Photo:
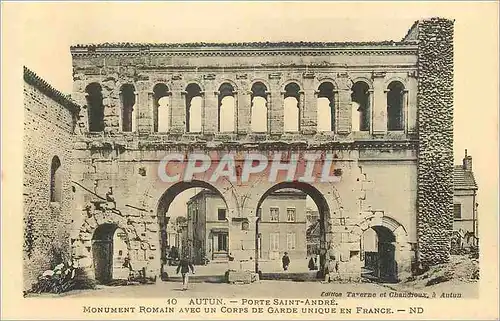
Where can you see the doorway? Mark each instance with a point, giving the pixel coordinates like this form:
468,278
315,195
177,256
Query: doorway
102,252
379,254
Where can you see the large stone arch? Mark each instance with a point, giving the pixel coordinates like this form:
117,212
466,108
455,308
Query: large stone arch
222,187
325,195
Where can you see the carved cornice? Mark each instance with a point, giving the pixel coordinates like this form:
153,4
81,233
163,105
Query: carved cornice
177,142
246,49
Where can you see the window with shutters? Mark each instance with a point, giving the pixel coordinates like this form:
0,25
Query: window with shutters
290,214
274,214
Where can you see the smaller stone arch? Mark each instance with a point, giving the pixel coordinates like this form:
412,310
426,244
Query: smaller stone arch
377,218
320,80
98,225
366,80
156,82
94,96
396,105
389,80
227,81
259,110
194,116
186,83
289,81
257,80
361,105
161,107
394,250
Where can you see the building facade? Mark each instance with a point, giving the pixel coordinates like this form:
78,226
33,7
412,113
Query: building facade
465,203
281,227
375,107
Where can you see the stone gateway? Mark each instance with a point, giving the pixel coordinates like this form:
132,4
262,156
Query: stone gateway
382,110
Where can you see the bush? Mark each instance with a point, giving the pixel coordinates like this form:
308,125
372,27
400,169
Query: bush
64,277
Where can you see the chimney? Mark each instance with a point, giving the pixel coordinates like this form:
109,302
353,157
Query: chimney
467,162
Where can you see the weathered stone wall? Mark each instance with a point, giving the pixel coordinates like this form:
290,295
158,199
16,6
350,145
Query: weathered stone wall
48,132
132,172
128,162
435,132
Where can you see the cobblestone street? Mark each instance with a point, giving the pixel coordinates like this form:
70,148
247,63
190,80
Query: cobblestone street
270,289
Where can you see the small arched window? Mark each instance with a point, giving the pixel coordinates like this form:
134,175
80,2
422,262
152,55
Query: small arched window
226,108
325,108
161,108
55,180
193,108
95,107
291,110
127,95
361,107
259,108
395,106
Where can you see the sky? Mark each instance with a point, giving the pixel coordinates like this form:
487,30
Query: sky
44,33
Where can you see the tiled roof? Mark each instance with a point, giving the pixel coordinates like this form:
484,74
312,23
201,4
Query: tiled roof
463,179
266,44
33,79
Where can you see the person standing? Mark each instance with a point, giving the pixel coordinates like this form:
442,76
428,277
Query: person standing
286,261
184,266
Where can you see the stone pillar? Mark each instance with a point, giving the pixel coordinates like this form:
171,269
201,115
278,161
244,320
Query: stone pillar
211,120
112,109
235,110
82,123
411,106
379,105
276,112
243,111
435,156
268,108
242,251
144,108
308,122
343,105
178,111
135,113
